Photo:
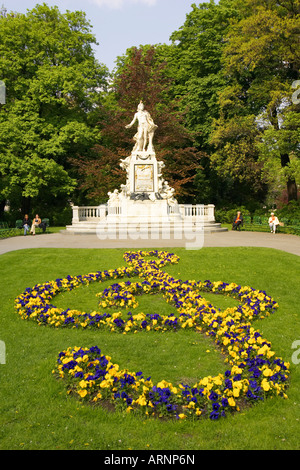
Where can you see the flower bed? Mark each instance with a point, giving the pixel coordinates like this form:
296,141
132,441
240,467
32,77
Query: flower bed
253,374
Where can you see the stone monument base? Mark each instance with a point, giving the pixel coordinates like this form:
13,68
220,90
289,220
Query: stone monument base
144,218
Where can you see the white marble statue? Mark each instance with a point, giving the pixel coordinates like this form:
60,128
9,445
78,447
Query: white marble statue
125,163
145,132
168,193
113,197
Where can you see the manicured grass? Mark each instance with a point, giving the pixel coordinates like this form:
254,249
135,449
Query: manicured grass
36,412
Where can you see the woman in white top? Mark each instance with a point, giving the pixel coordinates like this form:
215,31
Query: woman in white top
273,222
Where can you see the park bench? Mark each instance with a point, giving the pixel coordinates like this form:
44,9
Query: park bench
19,225
261,224
258,223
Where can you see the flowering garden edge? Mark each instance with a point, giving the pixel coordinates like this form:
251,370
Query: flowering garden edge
254,372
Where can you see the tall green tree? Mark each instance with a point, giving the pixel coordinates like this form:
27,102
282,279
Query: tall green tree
196,64
195,61
261,60
52,91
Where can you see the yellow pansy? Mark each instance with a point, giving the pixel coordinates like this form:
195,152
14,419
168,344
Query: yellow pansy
265,385
231,401
267,372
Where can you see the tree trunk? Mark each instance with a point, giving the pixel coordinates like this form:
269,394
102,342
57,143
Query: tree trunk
2,205
292,190
291,182
26,205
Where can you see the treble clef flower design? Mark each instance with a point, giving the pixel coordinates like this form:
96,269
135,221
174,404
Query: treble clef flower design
254,373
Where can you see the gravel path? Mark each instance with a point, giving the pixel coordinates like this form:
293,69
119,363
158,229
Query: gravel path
288,243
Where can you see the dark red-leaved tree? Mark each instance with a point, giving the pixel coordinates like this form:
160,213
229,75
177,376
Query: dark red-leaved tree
140,77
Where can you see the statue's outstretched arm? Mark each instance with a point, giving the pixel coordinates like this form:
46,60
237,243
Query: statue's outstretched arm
132,122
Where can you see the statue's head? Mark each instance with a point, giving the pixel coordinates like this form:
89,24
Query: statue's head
140,106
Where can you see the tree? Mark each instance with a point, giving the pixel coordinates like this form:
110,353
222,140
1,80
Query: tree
140,75
196,65
235,155
52,82
195,60
261,61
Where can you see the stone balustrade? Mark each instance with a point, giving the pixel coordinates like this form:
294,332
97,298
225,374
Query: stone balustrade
198,211
88,213
187,211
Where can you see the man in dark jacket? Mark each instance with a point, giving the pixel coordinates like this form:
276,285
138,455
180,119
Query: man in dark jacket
237,221
26,224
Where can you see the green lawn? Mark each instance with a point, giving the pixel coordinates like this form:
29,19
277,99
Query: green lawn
37,413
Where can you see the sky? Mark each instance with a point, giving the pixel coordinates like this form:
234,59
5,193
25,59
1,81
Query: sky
120,24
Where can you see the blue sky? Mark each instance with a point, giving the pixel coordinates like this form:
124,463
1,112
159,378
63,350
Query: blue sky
119,24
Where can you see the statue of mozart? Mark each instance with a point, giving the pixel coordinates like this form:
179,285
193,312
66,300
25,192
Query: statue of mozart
145,132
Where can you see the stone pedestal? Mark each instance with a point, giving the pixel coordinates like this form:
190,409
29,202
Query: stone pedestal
146,194
144,179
